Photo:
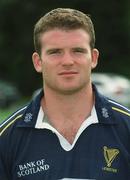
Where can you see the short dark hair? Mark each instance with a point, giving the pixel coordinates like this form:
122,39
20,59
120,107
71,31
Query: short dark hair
66,19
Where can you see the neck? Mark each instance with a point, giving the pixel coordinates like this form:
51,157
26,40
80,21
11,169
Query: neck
61,106
66,113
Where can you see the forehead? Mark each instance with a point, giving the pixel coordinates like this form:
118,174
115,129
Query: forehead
58,37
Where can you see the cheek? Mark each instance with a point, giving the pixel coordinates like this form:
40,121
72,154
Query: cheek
47,70
87,66
87,63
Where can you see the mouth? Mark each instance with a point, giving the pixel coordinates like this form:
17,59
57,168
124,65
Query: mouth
68,73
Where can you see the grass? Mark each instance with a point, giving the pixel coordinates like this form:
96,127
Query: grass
4,113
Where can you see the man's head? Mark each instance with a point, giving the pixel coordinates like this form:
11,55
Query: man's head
66,19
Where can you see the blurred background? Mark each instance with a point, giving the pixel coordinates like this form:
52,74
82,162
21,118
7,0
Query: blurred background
18,79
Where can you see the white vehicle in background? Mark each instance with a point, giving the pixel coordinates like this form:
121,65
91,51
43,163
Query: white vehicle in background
9,94
116,87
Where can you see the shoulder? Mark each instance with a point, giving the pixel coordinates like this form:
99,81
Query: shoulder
110,109
119,110
12,120
120,115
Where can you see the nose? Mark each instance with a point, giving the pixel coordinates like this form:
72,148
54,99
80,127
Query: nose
67,59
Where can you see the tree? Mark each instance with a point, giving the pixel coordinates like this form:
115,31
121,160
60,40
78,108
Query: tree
16,32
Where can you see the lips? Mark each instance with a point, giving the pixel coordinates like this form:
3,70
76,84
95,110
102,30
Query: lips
68,73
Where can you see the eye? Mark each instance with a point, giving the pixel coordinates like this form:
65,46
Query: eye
53,51
79,50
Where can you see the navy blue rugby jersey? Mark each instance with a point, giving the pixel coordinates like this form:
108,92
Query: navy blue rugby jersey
102,152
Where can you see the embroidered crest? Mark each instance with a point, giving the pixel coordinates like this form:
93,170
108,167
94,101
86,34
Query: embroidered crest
28,117
110,155
105,112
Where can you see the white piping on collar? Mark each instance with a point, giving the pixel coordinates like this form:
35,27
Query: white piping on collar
92,119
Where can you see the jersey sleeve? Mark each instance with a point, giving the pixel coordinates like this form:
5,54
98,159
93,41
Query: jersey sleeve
4,170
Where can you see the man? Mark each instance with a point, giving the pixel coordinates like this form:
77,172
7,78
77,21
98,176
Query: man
69,131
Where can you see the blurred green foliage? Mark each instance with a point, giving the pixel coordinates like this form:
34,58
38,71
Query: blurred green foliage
17,19
6,112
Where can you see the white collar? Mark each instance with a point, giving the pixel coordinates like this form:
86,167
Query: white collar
40,124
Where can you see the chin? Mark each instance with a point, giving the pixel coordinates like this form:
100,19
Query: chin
70,91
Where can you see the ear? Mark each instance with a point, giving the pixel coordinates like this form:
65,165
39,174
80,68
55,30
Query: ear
37,62
95,55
